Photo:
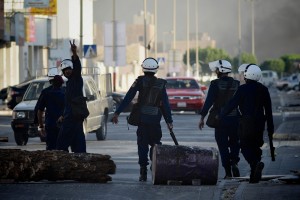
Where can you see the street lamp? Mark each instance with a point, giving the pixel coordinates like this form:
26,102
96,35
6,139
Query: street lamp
145,27
187,38
164,41
81,30
155,29
252,27
239,32
197,48
174,25
114,47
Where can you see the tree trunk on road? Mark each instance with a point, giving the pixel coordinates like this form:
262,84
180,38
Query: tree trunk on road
19,165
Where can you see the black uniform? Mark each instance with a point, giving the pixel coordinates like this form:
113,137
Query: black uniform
71,132
219,93
254,102
53,100
153,99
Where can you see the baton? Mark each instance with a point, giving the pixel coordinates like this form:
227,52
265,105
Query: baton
172,135
272,148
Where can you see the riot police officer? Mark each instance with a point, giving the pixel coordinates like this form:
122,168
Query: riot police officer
254,102
51,98
219,93
71,132
51,73
154,103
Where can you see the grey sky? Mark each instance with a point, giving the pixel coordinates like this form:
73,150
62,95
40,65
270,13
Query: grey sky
277,22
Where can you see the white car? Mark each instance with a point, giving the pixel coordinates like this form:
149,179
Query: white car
99,102
268,77
288,83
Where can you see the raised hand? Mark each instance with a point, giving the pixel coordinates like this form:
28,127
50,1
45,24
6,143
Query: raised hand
73,47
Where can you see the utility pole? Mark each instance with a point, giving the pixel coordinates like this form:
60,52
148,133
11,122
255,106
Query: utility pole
173,52
188,38
155,29
145,27
197,45
239,32
81,28
174,26
114,47
252,27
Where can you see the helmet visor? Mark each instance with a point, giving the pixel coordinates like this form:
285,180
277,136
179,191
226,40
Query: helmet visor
213,66
242,68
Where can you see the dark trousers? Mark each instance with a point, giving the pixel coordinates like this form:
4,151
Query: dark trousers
71,134
226,136
251,150
51,137
252,154
147,134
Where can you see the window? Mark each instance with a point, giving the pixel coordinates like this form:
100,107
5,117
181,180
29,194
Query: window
182,84
35,89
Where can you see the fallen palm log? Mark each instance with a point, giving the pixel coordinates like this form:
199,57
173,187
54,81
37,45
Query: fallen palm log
20,165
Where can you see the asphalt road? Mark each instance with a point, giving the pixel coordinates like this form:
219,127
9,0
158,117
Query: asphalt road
121,146
185,127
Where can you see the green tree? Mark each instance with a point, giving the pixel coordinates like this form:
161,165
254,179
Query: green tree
205,56
245,58
273,64
291,62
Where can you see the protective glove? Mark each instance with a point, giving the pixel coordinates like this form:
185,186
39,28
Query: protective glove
201,124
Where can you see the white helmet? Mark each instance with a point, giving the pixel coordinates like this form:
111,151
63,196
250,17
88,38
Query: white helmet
150,65
251,71
222,65
66,63
52,72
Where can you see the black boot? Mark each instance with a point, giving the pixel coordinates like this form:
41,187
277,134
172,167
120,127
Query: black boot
235,170
143,173
227,172
256,171
252,166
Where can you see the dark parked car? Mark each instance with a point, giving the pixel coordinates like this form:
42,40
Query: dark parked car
3,94
118,98
15,94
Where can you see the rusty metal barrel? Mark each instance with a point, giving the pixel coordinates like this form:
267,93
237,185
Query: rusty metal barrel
186,165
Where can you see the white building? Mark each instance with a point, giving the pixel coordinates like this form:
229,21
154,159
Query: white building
20,59
66,27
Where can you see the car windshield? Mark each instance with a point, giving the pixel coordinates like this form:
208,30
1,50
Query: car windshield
265,75
182,84
34,90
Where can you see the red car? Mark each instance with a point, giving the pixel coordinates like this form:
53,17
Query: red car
185,94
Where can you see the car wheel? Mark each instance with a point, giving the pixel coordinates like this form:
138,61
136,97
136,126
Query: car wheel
285,87
102,131
296,88
21,138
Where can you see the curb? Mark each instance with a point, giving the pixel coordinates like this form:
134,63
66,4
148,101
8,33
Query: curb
5,112
288,130
286,136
